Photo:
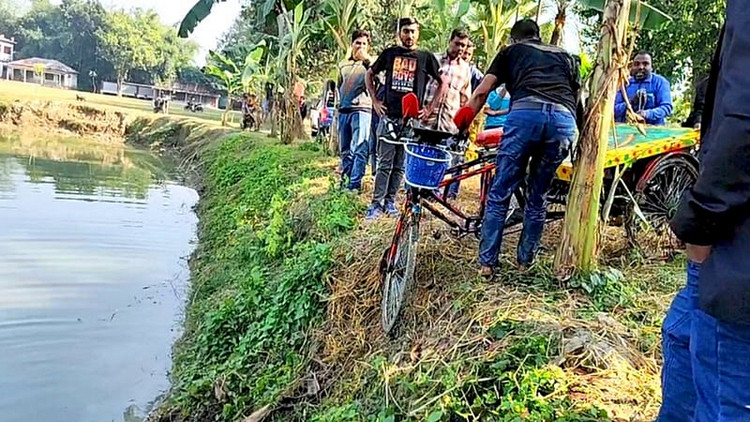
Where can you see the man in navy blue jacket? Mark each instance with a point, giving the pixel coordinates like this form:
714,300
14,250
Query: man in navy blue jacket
648,93
706,344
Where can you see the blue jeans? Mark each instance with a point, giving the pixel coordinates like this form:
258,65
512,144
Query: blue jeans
539,139
354,133
706,371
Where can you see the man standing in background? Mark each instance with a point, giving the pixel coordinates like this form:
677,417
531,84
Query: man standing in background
406,71
456,73
648,93
355,111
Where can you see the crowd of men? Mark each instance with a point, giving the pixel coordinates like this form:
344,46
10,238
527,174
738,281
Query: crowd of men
706,333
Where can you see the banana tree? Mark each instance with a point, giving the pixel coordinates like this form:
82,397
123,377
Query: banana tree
341,18
228,76
195,15
494,18
578,244
446,16
293,35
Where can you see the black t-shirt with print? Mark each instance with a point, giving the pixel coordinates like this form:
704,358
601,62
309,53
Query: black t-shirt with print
405,71
535,69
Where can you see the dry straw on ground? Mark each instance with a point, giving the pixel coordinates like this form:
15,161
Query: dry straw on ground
451,311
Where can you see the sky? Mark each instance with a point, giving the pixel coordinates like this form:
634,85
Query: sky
171,12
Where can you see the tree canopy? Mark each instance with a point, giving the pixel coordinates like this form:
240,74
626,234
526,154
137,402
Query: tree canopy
84,35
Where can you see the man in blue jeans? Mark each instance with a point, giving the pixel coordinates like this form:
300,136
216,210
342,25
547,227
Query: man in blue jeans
355,111
706,333
543,81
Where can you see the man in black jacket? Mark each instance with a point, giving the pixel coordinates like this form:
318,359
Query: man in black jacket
706,344
696,113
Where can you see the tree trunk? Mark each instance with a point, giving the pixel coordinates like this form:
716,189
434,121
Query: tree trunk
226,111
120,79
578,243
557,33
291,126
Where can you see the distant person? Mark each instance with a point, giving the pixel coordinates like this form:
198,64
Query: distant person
476,74
355,112
456,73
648,93
706,332
497,108
695,118
543,81
406,70
303,107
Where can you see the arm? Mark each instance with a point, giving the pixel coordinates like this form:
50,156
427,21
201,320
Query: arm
377,104
663,106
479,97
466,92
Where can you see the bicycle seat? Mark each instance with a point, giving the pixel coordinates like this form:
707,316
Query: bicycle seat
489,138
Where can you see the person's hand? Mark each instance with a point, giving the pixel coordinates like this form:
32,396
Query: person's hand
379,107
697,254
426,112
641,113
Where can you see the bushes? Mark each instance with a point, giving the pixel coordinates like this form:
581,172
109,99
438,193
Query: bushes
257,285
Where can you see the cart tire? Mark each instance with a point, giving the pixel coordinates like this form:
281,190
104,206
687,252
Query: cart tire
398,267
657,195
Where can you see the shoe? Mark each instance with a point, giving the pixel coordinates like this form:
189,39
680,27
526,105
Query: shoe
355,189
487,273
391,210
373,211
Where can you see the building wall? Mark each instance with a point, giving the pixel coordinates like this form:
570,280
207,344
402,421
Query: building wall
6,51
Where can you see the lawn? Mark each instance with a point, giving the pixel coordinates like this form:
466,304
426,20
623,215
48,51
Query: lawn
13,91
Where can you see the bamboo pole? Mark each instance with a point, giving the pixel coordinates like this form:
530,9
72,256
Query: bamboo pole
578,244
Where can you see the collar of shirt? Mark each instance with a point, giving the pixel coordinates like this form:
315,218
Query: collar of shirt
648,79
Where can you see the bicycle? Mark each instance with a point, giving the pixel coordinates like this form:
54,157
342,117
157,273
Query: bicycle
399,260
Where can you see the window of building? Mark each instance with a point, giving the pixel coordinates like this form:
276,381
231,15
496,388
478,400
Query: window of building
49,77
7,50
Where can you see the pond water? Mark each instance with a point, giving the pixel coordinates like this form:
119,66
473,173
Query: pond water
93,277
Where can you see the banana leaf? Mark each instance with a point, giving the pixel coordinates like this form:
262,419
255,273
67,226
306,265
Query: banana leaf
651,17
197,13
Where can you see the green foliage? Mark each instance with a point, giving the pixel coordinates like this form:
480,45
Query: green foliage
72,32
683,48
608,289
257,275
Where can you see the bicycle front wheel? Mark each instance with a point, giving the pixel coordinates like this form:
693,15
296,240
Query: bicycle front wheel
399,265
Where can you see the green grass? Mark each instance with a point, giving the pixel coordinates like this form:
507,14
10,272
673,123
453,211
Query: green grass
18,91
267,216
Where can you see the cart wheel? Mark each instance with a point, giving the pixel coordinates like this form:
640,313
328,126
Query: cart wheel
657,195
397,269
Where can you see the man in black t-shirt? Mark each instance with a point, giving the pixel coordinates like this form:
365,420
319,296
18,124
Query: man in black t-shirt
406,70
543,81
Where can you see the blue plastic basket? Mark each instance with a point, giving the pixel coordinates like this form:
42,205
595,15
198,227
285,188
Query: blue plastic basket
425,165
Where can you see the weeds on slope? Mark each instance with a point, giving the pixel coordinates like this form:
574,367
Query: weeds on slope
267,216
521,348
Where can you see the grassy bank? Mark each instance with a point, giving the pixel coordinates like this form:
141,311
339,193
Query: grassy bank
11,91
283,316
268,219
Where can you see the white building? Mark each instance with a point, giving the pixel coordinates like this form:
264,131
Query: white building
7,48
44,72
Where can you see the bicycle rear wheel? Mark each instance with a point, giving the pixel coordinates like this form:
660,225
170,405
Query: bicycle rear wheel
400,261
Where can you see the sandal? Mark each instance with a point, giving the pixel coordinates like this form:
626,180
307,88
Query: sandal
487,273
